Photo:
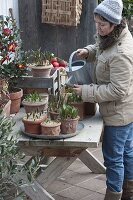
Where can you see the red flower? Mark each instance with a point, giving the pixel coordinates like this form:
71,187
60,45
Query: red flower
6,31
12,60
20,66
12,46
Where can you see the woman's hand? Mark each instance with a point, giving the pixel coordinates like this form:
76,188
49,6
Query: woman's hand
82,53
78,89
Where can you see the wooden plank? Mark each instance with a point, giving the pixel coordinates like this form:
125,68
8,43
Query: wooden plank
66,41
36,192
55,168
35,82
28,16
92,162
62,152
47,33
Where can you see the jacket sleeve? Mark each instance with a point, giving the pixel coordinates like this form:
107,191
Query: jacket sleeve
119,85
92,52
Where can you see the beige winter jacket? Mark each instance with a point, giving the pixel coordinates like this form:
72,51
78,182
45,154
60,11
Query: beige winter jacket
113,90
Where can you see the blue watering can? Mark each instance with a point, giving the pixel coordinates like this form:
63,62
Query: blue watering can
78,72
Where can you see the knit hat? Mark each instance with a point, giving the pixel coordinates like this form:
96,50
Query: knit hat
110,10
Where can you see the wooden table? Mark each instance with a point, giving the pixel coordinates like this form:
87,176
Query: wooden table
65,152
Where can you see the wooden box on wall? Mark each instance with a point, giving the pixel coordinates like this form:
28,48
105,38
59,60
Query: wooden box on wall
58,12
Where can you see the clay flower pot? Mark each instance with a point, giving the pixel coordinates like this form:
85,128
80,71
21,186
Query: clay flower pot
69,125
15,97
50,127
33,125
54,115
33,106
35,102
41,71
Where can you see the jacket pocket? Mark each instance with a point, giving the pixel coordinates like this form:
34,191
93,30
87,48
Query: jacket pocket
102,70
107,108
102,63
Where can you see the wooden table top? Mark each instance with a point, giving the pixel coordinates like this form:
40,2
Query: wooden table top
89,136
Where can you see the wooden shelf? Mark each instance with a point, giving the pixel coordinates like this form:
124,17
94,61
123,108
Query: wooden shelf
53,82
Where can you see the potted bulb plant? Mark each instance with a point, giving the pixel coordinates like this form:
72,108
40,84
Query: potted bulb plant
32,122
55,102
50,127
69,119
34,101
39,62
76,101
12,63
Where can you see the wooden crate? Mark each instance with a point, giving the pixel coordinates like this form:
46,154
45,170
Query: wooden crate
61,12
51,84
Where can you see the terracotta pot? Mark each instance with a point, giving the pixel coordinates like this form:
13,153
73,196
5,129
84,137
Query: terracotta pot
33,126
35,106
41,71
52,128
15,98
69,125
54,115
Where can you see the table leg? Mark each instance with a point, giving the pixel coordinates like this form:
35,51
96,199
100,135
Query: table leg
36,192
54,169
91,162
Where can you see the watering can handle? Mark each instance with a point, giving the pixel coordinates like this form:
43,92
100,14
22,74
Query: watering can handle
70,61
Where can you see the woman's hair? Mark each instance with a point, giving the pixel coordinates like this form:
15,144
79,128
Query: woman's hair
102,18
109,40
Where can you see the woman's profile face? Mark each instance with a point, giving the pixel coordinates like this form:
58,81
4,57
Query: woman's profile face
103,27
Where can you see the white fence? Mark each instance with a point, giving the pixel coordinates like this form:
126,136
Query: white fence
6,4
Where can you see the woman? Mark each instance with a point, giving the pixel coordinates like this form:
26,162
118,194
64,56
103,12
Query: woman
113,91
